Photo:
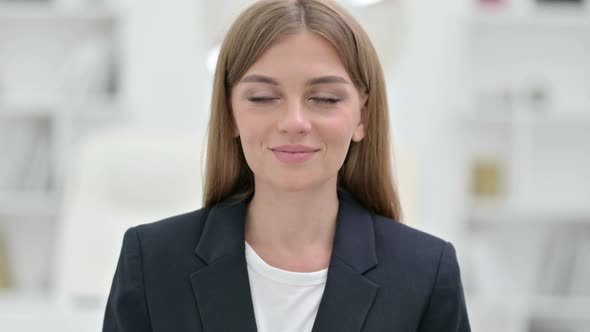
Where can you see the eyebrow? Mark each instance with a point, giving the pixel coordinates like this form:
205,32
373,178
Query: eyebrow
313,81
259,79
327,79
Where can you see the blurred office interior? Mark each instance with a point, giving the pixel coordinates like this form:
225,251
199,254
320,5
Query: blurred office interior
104,106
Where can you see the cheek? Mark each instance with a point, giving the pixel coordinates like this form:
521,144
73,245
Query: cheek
250,145
338,130
251,130
246,122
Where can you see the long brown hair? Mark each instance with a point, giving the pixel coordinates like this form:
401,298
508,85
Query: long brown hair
366,172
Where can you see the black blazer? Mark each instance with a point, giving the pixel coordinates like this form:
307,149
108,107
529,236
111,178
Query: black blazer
189,273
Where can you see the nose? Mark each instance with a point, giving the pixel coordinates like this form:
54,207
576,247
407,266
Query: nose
294,120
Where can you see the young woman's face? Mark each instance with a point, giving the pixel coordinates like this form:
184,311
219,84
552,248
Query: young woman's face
296,111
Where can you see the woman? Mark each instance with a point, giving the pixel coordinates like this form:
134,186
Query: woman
300,229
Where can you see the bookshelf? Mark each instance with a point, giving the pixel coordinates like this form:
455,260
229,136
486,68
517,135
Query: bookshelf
524,70
59,81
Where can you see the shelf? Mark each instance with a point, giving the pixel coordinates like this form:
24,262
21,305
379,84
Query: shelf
35,113
18,299
506,215
29,109
38,311
541,18
29,204
537,306
561,307
93,109
19,13
577,118
101,108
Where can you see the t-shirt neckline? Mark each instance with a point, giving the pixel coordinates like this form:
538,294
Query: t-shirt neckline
268,271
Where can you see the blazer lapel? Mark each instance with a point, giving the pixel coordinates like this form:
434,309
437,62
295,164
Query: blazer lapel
348,295
222,288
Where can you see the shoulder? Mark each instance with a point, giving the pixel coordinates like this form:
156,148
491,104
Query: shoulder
424,270
406,239
417,253
181,231
187,221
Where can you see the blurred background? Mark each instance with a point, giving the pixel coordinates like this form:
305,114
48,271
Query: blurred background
104,106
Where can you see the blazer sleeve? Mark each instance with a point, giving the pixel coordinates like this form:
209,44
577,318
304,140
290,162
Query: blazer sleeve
446,310
126,309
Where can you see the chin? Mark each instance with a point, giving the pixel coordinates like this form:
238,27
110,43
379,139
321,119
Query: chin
293,180
293,186
293,183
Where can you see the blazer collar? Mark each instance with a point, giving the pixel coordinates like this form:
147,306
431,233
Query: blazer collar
223,234
222,289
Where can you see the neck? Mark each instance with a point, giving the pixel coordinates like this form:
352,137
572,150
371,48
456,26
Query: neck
293,222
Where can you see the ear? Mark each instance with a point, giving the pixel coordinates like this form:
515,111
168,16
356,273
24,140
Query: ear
360,129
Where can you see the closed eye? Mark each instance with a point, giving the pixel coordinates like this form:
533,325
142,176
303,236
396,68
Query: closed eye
261,99
325,100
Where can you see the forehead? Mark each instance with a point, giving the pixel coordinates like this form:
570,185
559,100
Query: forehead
301,54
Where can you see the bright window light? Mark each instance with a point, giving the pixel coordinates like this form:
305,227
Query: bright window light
212,58
362,3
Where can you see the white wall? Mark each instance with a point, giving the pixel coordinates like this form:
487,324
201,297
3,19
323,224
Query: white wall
421,90
165,77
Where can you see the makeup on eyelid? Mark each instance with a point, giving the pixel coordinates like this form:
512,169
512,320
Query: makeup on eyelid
327,101
319,97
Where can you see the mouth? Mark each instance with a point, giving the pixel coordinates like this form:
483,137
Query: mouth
294,149
294,154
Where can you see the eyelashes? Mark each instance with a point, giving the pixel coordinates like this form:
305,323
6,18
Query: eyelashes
319,100
326,100
262,100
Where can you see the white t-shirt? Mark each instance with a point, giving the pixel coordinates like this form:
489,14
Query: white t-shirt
283,301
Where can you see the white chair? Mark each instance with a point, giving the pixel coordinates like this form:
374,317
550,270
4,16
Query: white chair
123,177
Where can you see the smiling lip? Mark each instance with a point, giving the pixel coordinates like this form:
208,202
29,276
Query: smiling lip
292,154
